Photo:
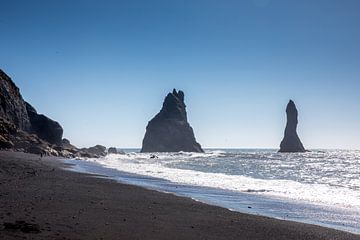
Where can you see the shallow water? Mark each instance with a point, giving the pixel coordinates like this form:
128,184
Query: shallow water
320,187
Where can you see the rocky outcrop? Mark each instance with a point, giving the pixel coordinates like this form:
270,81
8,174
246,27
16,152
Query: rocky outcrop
169,130
291,141
66,149
12,105
45,128
5,143
96,151
21,128
114,150
11,137
65,141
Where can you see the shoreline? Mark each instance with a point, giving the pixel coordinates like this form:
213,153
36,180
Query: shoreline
70,205
241,202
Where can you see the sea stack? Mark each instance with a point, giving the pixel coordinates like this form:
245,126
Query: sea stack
291,141
169,130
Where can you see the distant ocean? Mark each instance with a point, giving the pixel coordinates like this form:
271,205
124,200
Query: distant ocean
320,187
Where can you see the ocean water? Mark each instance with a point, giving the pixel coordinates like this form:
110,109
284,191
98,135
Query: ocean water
319,187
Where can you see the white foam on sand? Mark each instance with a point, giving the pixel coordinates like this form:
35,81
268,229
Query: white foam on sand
315,193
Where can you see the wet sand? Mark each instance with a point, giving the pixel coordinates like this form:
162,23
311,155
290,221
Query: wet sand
51,203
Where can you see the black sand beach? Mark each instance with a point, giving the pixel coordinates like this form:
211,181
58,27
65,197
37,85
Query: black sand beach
52,203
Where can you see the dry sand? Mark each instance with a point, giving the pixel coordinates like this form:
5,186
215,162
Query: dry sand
67,205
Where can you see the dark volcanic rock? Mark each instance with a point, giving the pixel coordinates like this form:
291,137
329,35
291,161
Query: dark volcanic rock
47,129
5,143
12,105
169,130
21,128
291,141
65,141
114,150
14,138
66,145
95,151
66,149
36,149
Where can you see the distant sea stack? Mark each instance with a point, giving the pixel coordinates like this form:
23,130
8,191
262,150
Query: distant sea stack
169,130
291,141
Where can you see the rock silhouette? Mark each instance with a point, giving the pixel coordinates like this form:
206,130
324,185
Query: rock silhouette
169,130
97,150
12,105
15,125
14,110
23,129
114,150
291,141
46,129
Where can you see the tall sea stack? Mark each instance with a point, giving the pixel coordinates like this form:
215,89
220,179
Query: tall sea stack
169,130
291,141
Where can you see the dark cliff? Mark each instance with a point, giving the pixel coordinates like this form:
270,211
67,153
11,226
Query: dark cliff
169,130
45,128
291,141
21,128
12,105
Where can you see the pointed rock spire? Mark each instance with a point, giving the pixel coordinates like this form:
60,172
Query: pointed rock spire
169,130
291,141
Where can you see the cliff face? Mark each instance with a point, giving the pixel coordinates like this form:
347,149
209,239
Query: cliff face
169,130
15,110
291,141
45,128
21,128
12,105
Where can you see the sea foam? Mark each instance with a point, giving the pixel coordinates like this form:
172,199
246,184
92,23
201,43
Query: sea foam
327,178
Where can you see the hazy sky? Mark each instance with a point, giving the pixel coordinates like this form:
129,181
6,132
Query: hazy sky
103,68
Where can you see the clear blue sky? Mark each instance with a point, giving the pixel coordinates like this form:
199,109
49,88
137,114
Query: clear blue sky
102,68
